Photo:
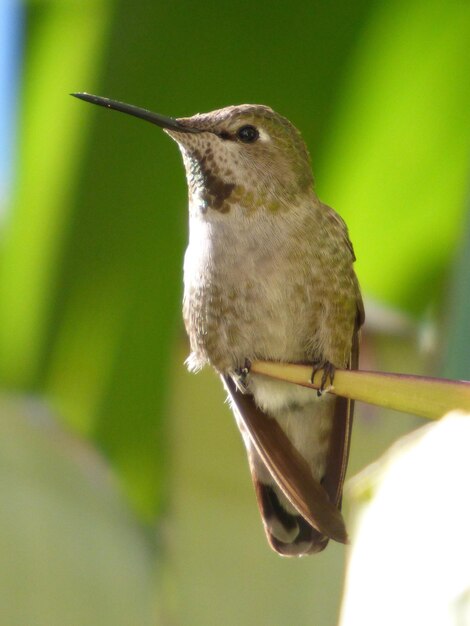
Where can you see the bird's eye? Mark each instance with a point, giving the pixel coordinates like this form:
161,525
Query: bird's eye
247,134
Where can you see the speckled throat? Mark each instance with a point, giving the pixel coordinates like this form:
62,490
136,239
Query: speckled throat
264,175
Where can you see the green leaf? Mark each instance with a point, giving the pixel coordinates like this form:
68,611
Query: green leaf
64,41
397,163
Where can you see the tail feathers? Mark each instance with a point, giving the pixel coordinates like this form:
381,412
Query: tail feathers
287,533
299,513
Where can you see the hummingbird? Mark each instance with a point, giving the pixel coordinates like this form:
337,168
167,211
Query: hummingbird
268,275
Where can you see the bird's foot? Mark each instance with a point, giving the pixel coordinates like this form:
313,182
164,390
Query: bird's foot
240,377
328,373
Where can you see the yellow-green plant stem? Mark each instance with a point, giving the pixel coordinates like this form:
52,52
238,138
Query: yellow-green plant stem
427,397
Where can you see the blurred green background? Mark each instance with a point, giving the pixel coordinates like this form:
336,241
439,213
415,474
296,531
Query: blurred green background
125,493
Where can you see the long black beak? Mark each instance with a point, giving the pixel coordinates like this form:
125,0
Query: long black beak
155,118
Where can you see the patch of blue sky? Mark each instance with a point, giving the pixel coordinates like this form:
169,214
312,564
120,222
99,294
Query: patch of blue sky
11,28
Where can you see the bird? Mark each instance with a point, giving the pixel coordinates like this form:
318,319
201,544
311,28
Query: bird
269,275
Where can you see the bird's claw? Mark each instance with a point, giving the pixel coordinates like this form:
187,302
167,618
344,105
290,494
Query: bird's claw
241,376
328,373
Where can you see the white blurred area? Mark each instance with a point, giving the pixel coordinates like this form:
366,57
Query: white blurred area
410,557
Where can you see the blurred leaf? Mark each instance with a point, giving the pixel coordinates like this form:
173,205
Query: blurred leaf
118,295
72,553
397,164
63,41
90,278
